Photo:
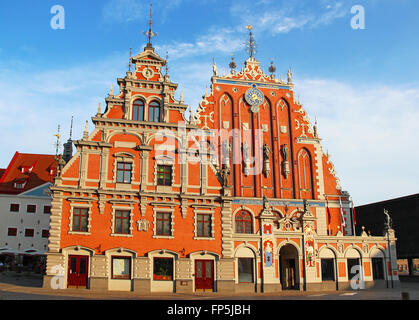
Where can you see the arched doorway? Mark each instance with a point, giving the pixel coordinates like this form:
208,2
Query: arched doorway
288,267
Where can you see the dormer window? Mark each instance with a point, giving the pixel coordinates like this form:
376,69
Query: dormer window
154,111
52,171
20,184
26,169
138,110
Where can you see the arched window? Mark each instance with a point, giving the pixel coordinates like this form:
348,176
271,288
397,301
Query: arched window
138,110
304,174
154,111
244,222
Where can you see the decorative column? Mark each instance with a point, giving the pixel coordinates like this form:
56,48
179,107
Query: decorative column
268,283
309,253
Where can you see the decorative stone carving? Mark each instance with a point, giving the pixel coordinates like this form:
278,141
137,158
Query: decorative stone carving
226,149
266,160
289,76
225,172
143,225
285,162
214,68
246,159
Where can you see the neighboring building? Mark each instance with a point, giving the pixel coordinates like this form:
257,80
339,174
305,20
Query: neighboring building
239,197
404,212
25,207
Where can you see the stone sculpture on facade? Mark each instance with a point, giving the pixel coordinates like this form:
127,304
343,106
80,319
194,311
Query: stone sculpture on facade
266,160
285,163
246,158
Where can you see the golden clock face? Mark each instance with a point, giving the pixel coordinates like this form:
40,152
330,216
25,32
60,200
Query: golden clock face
254,97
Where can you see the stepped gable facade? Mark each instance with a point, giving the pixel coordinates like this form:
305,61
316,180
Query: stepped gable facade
237,197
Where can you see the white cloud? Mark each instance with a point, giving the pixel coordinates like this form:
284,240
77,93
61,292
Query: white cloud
31,113
124,10
215,41
371,133
282,17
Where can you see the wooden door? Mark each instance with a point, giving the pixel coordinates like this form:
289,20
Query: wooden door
77,271
290,274
204,275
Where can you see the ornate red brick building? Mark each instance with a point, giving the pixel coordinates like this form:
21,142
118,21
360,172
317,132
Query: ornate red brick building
237,197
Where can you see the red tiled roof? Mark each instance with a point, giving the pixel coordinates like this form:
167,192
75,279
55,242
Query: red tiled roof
34,169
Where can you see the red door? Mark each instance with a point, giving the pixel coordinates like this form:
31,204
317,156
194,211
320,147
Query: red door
204,275
77,271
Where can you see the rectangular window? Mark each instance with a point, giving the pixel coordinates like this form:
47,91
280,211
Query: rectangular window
29,232
47,209
164,175
203,225
80,219
163,224
245,266
45,233
12,232
121,268
14,207
377,269
31,208
122,222
328,270
163,269
123,172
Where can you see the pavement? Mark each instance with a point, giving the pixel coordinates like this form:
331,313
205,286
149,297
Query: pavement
15,286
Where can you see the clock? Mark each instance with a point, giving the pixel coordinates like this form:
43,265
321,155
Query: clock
254,97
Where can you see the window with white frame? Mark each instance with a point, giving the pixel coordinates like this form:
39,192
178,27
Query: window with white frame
123,172
80,220
163,224
203,225
121,268
122,222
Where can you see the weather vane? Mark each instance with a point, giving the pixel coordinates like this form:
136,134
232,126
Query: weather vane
150,34
251,44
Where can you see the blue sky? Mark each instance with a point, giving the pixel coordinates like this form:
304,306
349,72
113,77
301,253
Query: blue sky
361,85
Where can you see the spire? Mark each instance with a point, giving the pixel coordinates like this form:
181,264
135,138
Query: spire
57,143
71,126
86,131
130,60
150,34
251,44
99,110
68,146
167,63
